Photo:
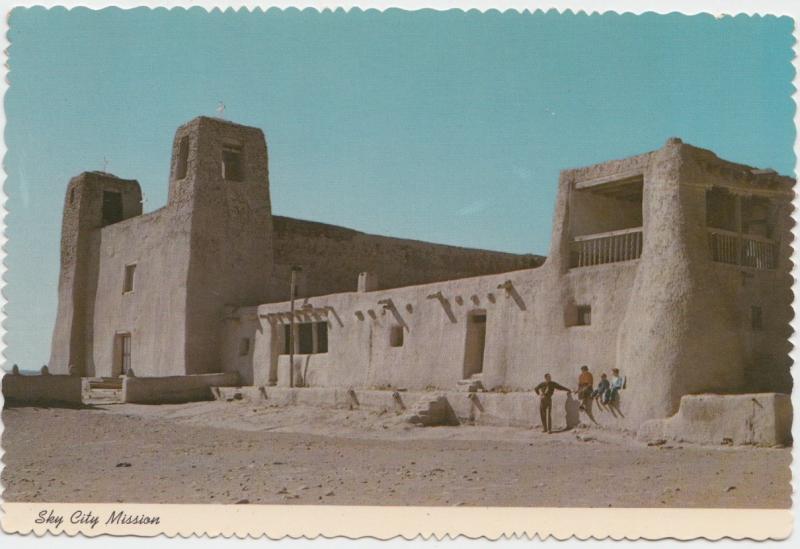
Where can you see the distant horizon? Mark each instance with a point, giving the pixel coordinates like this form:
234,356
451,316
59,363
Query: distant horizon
445,127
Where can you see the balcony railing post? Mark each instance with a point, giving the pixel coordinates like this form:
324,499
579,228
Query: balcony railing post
742,249
609,247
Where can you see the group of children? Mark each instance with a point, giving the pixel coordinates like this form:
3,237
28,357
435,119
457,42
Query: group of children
606,392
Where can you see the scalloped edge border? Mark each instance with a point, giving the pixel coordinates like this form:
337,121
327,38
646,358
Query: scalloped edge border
730,8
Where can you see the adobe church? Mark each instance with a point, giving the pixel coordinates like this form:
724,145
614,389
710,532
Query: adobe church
672,266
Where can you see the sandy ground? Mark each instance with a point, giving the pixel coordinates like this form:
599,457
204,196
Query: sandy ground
216,452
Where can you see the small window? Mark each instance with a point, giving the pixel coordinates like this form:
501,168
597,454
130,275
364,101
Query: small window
183,158
756,319
244,346
584,315
311,338
396,336
71,196
112,208
322,337
232,169
130,274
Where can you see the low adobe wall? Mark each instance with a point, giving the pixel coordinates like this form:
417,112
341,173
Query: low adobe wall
762,419
174,389
41,389
516,409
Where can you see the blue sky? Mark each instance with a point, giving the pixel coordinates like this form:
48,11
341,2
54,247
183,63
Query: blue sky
449,127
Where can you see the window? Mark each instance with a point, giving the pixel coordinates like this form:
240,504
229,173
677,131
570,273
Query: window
130,273
305,338
71,196
112,208
578,315
396,336
183,158
232,163
310,338
756,319
322,337
244,346
584,315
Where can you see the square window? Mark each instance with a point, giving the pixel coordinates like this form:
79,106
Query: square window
130,273
396,336
244,346
584,315
232,168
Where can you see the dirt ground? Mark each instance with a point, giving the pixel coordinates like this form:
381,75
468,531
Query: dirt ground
217,452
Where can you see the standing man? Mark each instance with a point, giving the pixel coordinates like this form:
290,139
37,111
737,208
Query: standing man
545,391
585,386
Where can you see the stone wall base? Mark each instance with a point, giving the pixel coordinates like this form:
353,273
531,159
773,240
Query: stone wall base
514,409
19,390
175,389
761,419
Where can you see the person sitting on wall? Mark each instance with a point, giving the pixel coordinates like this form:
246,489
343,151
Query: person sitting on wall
601,393
545,390
617,384
585,386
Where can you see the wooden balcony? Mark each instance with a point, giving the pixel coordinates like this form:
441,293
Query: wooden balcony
610,247
741,249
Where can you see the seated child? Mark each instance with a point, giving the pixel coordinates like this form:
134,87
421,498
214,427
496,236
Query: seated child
602,390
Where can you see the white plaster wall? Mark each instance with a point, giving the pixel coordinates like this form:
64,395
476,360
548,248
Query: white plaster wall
154,312
673,321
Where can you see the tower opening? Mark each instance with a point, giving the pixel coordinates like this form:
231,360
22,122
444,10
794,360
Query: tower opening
183,158
112,208
232,166
605,221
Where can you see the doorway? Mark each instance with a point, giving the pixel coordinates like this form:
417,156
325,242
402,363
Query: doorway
122,354
475,343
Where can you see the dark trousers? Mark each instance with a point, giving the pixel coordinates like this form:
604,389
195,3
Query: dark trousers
546,413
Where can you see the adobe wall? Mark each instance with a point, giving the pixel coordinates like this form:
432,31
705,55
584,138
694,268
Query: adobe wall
174,389
332,258
526,334
762,419
154,312
686,333
19,390
673,321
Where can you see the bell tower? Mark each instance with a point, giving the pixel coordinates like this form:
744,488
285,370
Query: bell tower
219,180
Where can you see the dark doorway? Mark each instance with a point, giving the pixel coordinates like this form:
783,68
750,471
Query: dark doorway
475,343
112,208
122,360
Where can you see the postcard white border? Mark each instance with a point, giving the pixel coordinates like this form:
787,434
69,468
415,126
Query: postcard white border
406,521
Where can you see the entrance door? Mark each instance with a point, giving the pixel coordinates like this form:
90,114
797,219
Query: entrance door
475,343
123,358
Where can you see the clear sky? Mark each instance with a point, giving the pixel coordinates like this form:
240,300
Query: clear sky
449,127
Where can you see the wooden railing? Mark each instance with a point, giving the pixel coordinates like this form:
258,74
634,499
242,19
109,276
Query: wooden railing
610,247
746,250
